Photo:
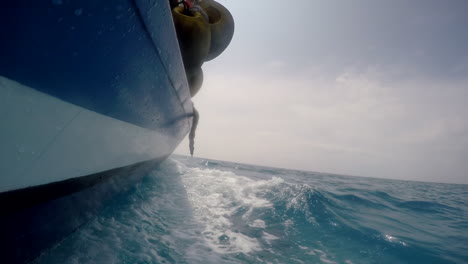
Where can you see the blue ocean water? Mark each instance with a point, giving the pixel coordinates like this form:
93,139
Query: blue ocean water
193,210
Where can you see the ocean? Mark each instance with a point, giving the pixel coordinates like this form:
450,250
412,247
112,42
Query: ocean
193,210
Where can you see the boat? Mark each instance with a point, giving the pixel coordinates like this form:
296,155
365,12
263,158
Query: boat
93,95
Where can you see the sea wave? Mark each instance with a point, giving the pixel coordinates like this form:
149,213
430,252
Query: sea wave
202,211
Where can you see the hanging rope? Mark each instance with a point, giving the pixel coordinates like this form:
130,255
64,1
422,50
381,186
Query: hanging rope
195,119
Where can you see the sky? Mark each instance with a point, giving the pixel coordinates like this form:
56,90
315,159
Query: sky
365,87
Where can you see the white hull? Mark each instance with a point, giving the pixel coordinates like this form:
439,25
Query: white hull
48,140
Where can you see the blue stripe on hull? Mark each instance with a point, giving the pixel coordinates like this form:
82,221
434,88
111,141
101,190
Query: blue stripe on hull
99,55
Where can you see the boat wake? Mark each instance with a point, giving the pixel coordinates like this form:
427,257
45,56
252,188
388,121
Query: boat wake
201,211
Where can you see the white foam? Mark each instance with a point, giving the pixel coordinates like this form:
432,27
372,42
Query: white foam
314,252
323,256
309,251
269,237
288,223
393,239
258,223
216,196
298,260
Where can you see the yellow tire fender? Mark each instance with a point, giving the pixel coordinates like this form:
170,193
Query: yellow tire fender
194,79
221,26
194,35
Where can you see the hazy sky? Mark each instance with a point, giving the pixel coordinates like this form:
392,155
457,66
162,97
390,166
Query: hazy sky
364,87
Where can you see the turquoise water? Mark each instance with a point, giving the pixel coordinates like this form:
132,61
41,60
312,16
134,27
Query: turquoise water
204,211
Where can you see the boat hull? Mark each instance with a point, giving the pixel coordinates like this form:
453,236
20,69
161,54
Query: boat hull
44,215
93,95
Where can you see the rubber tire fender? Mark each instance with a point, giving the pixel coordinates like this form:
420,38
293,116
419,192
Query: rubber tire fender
221,26
194,35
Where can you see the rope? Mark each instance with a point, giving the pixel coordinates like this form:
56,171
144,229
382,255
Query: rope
196,117
192,6
197,8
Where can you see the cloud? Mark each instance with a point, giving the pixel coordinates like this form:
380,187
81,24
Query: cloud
275,64
353,123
